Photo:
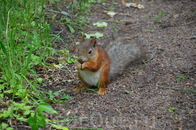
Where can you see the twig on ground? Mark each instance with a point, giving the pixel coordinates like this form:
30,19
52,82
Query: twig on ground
152,57
187,23
191,37
62,12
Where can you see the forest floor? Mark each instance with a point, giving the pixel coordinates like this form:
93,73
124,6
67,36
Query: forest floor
151,95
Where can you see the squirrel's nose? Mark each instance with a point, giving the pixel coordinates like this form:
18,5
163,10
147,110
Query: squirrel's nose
81,61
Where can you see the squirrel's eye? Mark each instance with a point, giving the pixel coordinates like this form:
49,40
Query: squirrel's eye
90,51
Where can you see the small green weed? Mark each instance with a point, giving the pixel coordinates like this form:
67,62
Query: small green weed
129,92
157,19
51,96
38,119
150,30
68,57
111,8
193,13
113,28
174,115
117,21
171,109
181,78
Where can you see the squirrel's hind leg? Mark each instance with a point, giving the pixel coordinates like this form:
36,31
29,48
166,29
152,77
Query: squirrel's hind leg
81,88
104,79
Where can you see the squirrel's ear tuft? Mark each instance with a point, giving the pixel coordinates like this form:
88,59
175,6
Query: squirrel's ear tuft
93,41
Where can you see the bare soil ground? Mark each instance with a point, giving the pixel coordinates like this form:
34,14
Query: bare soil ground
140,99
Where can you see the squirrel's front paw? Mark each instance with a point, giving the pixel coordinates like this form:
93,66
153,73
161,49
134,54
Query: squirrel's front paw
83,66
79,66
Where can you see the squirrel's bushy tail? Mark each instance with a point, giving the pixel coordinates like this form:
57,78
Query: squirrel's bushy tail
122,52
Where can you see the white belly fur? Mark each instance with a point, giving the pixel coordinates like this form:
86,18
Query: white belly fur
91,78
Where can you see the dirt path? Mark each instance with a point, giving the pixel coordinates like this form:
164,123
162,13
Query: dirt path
140,100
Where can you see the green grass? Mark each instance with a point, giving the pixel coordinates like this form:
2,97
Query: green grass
158,17
25,42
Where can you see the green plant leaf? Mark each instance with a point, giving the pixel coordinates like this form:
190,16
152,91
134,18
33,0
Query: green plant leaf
181,78
45,107
57,93
171,109
71,29
101,24
66,96
27,112
97,35
60,127
3,126
35,60
70,60
9,128
39,119
32,121
7,113
42,123
40,80
129,92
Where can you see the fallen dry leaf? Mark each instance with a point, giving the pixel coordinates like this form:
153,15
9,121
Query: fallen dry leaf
110,13
135,5
59,66
188,83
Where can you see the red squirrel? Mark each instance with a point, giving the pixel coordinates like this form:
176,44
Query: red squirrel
96,65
